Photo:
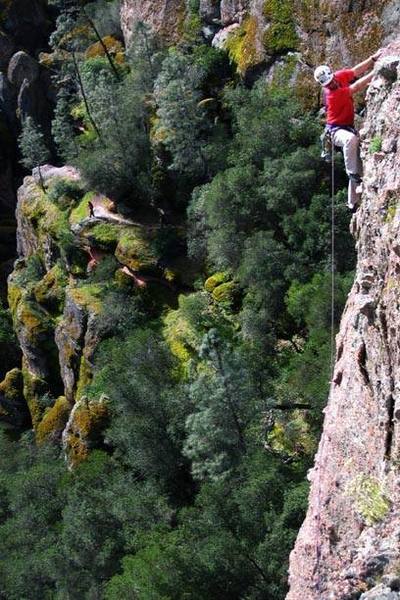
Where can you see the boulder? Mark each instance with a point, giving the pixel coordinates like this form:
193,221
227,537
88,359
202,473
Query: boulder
22,67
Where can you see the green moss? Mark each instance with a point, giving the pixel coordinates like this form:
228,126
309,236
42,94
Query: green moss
225,293
53,422
215,280
89,421
34,388
14,295
280,37
242,45
33,320
50,291
44,216
12,385
89,296
85,377
105,234
81,211
393,203
134,250
376,144
370,499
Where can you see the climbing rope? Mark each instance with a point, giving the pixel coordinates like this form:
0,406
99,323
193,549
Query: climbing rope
332,260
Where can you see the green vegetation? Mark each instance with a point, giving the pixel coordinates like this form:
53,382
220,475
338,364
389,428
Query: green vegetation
375,144
280,37
189,481
370,499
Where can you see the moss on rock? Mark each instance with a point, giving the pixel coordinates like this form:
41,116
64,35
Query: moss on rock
281,35
369,497
34,388
134,250
50,291
53,422
85,428
215,280
88,296
85,377
105,235
242,45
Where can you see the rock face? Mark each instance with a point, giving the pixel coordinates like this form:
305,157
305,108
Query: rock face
351,535
164,16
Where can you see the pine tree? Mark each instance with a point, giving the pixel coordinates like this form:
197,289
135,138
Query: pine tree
33,147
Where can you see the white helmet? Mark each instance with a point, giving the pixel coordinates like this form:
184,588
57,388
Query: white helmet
323,75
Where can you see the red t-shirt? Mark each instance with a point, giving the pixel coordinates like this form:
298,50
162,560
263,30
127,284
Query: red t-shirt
339,102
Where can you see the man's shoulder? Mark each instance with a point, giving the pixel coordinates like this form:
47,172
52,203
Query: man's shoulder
345,76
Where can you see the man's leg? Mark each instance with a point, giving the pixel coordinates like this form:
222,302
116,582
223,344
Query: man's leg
349,142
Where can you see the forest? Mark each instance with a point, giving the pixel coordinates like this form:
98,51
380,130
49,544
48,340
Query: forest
216,369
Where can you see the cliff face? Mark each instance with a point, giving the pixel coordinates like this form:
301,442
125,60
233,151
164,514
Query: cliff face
352,530
24,91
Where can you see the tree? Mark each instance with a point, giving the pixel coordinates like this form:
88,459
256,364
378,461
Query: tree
33,147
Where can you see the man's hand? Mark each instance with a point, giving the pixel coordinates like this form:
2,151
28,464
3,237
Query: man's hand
377,55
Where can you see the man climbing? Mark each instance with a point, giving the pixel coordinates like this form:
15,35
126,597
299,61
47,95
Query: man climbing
339,89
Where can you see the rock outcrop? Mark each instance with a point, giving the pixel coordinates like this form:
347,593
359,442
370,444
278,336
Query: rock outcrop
351,535
164,16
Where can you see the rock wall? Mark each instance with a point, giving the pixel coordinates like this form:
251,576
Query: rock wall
351,534
164,16
24,85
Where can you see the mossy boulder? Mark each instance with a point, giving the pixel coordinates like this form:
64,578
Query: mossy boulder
34,388
134,250
242,45
104,235
215,280
13,408
85,428
50,291
53,421
38,217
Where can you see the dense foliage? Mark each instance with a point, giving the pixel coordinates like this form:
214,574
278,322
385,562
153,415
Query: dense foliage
198,488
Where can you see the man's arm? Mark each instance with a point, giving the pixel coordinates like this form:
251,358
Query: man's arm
362,83
364,66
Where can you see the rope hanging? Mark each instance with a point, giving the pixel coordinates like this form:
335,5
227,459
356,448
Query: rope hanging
332,261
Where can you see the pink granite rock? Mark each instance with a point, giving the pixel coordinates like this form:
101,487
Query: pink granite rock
352,529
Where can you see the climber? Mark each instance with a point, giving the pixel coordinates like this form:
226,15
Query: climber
91,209
339,88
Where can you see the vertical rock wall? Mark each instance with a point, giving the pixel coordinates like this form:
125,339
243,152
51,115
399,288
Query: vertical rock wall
351,535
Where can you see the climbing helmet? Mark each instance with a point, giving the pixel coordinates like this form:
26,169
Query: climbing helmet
323,75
